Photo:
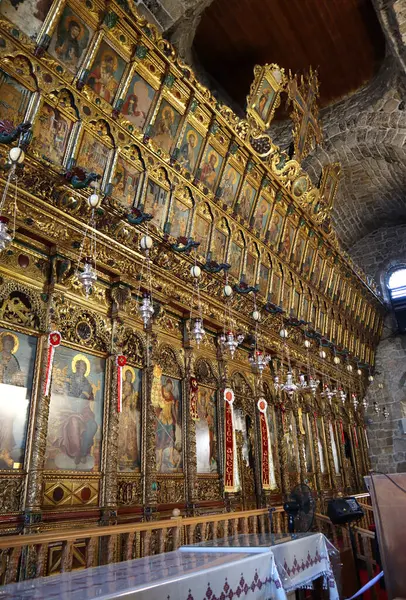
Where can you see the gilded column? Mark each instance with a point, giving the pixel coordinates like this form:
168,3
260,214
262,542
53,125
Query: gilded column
301,442
315,436
150,491
330,454
111,447
283,458
190,438
33,500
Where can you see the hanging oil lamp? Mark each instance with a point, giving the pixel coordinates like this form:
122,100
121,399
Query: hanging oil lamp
229,341
88,276
146,307
196,315
16,157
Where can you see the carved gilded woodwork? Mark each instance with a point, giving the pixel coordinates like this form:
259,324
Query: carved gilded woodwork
251,199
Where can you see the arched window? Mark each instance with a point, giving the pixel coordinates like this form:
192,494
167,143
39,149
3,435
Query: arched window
397,291
397,284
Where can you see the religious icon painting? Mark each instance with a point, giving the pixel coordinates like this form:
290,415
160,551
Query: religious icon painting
265,96
315,276
219,245
70,40
206,431
325,277
305,309
129,437
106,72
75,412
229,185
261,215
17,361
251,269
276,288
307,263
168,426
189,149
246,200
93,154
156,203
179,219
329,183
210,167
138,101
286,300
28,15
14,99
234,259
125,182
51,133
263,283
292,446
201,233
296,302
275,228
299,250
288,237
165,126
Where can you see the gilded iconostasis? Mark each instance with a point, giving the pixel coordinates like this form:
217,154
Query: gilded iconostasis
109,411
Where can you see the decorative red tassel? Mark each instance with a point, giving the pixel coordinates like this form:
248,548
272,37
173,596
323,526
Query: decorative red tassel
54,340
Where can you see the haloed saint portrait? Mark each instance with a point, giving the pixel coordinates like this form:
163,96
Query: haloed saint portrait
206,431
17,361
129,438
76,411
70,40
168,426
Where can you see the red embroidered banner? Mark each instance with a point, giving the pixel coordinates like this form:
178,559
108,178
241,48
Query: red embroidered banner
266,484
229,441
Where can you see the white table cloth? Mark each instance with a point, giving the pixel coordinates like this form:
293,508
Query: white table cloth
171,576
299,561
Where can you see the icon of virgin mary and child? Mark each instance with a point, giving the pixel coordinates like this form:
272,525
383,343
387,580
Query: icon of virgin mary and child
75,420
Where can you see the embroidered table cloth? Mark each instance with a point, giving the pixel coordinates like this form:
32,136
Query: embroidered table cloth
300,559
171,576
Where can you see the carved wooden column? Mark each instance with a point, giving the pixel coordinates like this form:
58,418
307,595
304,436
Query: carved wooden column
190,438
300,443
111,448
330,456
315,436
33,500
260,493
150,494
356,454
280,419
224,383
346,475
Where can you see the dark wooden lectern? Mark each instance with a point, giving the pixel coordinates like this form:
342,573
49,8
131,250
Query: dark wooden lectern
389,504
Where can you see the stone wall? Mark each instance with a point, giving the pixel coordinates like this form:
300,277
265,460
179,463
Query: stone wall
380,250
376,253
387,443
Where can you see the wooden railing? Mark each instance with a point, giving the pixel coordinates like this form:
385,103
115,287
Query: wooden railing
28,556
45,553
